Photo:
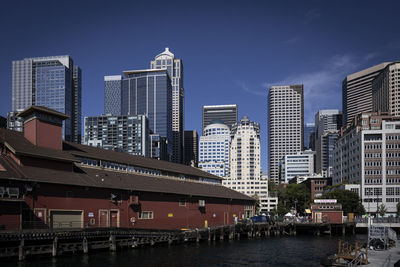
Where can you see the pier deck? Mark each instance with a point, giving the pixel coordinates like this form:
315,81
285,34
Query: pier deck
54,242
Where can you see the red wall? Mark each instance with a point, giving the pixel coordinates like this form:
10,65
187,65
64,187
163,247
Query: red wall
167,213
10,215
331,216
43,134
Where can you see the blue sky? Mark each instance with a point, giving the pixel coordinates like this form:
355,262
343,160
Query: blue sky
232,51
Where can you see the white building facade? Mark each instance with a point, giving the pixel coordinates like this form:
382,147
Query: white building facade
245,164
368,154
286,124
300,164
214,149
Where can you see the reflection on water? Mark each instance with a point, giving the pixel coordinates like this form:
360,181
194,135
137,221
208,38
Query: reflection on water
275,251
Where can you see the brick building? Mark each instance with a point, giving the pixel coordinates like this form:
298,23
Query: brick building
47,182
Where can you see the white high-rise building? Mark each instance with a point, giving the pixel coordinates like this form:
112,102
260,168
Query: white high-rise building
245,165
367,155
214,149
166,60
300,164
286,124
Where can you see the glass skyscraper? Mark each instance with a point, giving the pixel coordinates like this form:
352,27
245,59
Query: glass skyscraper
53,82
149,92
166,60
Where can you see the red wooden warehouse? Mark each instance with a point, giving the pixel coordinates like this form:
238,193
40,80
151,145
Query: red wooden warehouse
326,211
48,183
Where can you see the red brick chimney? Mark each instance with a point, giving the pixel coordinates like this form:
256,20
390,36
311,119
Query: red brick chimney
43,126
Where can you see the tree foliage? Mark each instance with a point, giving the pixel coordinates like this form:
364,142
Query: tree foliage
398,209
293,196
382,210
350,201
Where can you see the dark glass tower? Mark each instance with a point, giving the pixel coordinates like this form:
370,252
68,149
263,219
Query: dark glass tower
149,92
53,82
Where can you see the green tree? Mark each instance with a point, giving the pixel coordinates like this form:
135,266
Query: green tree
382,210
350,201
258,204
398,209
293,196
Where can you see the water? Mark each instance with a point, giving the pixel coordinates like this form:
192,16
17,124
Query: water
275,251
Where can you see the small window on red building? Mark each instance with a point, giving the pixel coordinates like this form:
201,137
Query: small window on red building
182,202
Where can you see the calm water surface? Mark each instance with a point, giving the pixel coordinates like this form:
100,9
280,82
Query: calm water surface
276,251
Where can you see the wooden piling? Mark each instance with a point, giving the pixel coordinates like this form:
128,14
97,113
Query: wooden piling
21,250
113,243
85,245
55,247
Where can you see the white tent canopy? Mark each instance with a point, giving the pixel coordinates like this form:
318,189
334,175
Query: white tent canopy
289,215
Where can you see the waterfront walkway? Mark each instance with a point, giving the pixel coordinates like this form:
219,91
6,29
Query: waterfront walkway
383,258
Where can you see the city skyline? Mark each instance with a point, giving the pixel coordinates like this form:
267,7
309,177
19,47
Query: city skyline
310,46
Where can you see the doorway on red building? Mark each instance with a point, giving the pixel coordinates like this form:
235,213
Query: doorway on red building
103,218
226,218
114,218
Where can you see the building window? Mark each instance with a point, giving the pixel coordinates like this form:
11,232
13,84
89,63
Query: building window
182,202
146,215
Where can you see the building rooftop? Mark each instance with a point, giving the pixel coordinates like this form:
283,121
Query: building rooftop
102,177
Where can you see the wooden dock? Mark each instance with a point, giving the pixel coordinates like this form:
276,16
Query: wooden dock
52,242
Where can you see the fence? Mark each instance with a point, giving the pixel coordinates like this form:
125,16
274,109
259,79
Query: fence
381,234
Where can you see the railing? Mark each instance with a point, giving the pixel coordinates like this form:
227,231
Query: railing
383,234
358,261
378,220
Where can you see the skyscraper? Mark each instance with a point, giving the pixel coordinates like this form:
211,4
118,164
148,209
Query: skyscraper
286,123
327,128
166,60
386,90
228,114
148,92
309,128
112,94
245,163
357,92
214,149
53,82
245,151
191,148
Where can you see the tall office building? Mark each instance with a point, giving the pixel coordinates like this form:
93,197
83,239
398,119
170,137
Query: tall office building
245,164
191,148
327,128
309,128
149,92
53,82
245,151
286,123
228,114
166,60
124,133
367,156
214,149
386,90
357,92
112,94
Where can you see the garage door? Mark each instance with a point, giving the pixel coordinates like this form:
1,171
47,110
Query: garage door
66,219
